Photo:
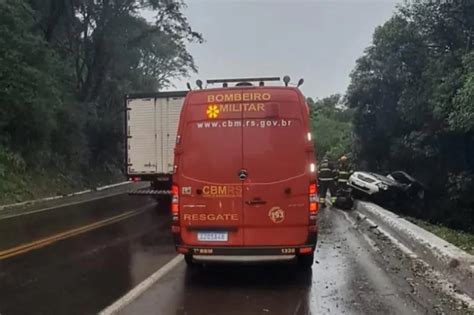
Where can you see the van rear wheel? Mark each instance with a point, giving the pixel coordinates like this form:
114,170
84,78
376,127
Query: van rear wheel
190,263
306,261
189,260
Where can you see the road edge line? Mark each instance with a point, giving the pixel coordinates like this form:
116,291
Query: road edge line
354,224
142,287
67,204
14,215
113,185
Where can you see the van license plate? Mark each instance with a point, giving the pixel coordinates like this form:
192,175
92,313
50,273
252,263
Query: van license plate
212,236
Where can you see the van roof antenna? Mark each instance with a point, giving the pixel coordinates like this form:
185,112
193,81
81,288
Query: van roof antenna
189,86
286,79
199,84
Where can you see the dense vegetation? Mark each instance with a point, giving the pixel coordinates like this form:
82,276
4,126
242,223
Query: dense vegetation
64,68
331,126
413,96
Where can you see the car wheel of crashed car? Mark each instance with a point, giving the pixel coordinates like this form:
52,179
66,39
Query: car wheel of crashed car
344,202
306,261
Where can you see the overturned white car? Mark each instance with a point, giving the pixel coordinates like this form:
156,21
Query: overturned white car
395,187
370,183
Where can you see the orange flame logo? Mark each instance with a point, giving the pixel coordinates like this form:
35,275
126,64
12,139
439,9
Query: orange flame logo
212,111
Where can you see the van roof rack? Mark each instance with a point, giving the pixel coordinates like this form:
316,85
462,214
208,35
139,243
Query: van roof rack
243,80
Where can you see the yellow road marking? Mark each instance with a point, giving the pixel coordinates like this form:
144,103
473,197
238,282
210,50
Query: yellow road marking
66,234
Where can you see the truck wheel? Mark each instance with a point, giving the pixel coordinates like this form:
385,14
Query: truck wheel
163,200
306,261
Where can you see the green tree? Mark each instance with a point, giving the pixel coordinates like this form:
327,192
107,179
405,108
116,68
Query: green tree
64,69
331,126
30,86
412,95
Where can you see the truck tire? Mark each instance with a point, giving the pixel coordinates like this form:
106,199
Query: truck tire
306,261
164,201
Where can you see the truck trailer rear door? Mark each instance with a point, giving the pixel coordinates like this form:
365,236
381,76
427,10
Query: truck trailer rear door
142,139
152,123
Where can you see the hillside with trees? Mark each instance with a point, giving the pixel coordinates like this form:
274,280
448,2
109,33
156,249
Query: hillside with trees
64,69
331,126
412,93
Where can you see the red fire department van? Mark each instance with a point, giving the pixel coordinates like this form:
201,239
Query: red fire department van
244,183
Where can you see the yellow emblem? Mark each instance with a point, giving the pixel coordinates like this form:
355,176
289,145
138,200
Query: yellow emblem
212,111
276,214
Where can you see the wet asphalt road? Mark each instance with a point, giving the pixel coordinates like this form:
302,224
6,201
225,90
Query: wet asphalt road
356,272
350,276
81,274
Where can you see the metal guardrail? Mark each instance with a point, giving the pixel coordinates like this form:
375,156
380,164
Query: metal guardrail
150,192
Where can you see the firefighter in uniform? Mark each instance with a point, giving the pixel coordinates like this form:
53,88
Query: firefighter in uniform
326,180
343,173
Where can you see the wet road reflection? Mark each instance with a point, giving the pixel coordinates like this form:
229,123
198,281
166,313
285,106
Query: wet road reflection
281,290
345,279
277,289
85,273
26,228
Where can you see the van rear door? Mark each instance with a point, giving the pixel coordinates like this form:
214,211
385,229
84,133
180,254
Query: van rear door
275,208
209,157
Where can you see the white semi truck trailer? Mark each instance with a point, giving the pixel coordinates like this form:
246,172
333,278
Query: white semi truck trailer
151,124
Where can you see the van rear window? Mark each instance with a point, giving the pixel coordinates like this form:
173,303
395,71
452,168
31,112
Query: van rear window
259,130
211,150
274,149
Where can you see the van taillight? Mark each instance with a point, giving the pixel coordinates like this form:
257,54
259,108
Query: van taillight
175,205
313,200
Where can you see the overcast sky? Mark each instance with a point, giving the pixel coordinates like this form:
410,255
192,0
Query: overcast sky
315,40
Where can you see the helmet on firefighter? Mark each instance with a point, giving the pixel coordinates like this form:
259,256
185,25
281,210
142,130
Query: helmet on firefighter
343,158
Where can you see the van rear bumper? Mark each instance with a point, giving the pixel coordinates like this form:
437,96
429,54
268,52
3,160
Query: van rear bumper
242,258
265,252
